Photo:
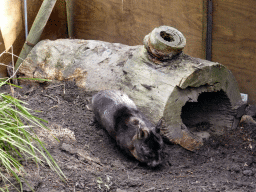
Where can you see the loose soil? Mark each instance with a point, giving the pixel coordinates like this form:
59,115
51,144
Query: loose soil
91,160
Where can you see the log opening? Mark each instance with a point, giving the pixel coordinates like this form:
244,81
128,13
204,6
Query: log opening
212,114
166,36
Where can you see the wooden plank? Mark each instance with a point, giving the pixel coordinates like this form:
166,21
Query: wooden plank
36,30
11,30
234,41
204,27
3,71
128,21
56,26
12,27
209,31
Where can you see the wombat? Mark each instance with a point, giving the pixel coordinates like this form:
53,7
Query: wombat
136,135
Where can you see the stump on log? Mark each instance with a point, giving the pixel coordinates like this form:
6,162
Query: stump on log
196,98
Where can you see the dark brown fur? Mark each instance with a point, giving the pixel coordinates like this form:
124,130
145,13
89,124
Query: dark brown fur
136,135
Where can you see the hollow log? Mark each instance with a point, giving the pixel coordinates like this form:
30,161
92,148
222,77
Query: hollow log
195,98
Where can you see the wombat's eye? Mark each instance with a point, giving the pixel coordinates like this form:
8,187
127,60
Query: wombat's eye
135,122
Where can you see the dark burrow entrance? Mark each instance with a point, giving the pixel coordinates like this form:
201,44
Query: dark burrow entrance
212,114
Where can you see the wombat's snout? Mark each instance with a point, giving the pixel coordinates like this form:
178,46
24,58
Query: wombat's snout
149,149
154,161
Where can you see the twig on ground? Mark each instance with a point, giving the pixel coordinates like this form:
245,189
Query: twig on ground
152,188
54,86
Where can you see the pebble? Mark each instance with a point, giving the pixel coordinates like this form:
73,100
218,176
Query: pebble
248,172
120,190
235,168
68,148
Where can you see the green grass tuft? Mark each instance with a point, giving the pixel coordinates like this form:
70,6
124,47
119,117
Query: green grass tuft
18,141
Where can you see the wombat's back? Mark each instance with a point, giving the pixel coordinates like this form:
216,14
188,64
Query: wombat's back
105,103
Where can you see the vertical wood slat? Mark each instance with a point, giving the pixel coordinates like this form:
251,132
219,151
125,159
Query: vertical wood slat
11,28
56,27
129,21
234,41
209,31
13,33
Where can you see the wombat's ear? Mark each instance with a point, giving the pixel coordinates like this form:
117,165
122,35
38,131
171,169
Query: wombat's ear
159,125
143,133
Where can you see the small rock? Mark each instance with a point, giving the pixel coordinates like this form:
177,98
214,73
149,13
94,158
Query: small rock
118,163
30,186
240,183
248,172
80,185
251,110
49,189
91,123
247,119
68,148
235,168
134,183
120,190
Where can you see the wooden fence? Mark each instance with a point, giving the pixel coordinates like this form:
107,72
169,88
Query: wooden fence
128,21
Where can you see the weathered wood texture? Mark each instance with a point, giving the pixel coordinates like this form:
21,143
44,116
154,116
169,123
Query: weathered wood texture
234,41
2,49
56,26
128,21
13,30
36,29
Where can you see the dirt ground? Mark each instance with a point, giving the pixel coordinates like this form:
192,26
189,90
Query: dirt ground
91,160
